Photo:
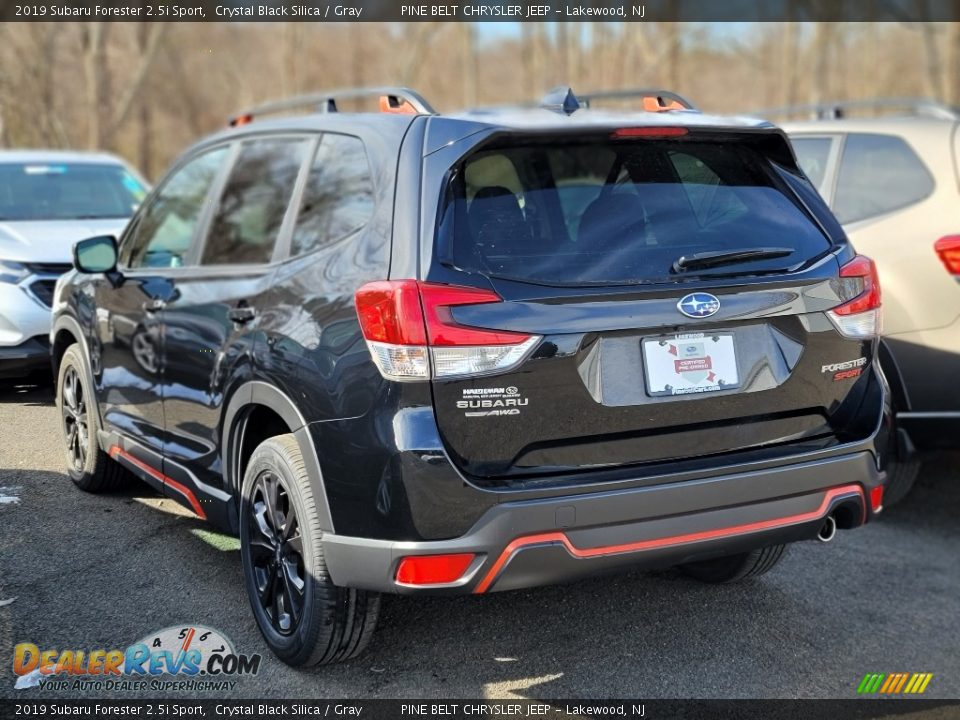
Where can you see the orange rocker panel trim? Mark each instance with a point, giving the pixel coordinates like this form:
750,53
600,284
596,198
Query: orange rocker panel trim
116,451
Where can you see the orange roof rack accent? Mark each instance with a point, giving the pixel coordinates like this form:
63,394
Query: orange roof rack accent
657,103
396,105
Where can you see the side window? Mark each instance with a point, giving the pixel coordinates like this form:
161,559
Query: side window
254,202
338,198
813,154
166,228
878,174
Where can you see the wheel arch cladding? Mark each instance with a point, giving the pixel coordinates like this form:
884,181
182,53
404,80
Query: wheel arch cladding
891,370
63,338
67,332
258,411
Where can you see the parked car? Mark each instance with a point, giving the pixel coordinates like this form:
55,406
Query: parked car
893,183
415,353
48,201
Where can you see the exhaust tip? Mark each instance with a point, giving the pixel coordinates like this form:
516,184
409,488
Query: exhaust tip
827,530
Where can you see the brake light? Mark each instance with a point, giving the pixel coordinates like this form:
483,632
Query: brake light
433,569
948,248
409,328
648,132
859,316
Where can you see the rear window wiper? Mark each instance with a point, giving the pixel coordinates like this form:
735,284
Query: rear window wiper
698,261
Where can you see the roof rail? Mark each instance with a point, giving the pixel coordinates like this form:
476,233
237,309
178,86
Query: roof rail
654,99
837,110
392,100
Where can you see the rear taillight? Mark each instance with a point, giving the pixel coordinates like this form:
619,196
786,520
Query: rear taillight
859,316
409,328
948,248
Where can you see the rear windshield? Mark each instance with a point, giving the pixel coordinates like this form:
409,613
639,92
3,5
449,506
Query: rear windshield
612,212
67,191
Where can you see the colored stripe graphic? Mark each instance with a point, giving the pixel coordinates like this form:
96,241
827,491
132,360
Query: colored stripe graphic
870,683
894,683
900,683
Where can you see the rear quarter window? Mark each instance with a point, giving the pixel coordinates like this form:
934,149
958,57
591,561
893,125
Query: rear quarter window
338,200
878,174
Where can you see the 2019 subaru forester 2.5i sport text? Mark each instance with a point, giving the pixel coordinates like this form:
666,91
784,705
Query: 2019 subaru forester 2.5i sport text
414,353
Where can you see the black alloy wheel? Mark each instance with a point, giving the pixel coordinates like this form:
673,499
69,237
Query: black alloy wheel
88,465
276,552
73,406
303,616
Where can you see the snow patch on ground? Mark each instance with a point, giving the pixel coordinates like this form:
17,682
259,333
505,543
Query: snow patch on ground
8,496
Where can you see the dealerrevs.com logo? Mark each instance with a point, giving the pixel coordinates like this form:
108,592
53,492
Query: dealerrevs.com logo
190,658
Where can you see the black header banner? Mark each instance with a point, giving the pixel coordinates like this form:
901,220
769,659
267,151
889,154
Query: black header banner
337,11
308,709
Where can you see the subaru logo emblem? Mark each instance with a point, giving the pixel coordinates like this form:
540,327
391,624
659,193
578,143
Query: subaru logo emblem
699,305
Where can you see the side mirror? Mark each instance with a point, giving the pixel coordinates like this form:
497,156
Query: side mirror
96,254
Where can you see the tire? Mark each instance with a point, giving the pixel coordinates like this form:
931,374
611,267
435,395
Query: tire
90,468
735,568
303,616
901,475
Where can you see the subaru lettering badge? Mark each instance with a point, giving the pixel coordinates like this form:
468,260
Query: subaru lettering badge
699,305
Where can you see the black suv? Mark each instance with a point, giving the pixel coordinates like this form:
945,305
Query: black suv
410,352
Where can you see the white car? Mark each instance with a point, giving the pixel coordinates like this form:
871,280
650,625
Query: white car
48,201
893,182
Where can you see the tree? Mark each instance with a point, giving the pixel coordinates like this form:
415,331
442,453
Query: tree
104,118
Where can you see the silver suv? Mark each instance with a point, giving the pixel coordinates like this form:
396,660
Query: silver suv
48,201
894,184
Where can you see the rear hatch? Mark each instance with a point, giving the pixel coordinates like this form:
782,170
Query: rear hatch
666,292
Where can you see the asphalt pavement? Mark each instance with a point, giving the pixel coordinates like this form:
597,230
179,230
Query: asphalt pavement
91,572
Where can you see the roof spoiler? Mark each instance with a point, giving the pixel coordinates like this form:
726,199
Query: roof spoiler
392,100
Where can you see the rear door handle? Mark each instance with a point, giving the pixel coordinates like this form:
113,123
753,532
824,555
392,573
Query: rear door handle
154,305
242,314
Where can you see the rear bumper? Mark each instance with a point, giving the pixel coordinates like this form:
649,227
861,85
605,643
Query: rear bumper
535,542
20,360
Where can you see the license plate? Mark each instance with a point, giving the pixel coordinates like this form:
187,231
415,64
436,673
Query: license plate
692,363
